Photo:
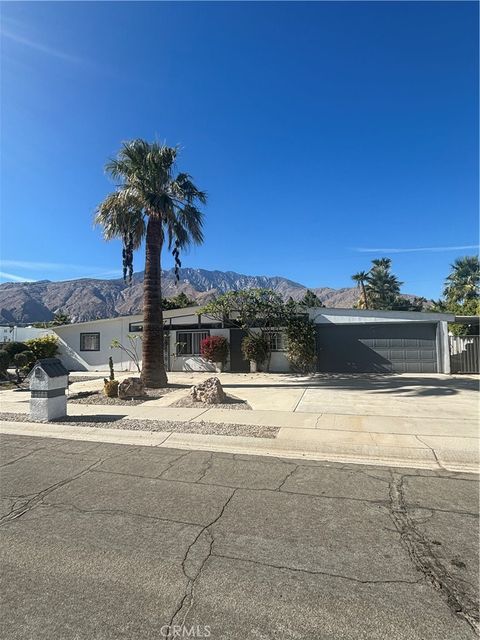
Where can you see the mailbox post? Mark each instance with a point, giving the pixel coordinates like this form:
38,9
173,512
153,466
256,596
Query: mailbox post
48,381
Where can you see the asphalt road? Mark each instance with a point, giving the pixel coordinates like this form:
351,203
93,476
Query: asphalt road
110,541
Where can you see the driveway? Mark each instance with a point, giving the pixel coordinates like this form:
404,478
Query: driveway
111,541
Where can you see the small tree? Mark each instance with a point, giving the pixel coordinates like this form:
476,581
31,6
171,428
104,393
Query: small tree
214,349
247,308
255,348
310,299
12,348
301,343
132,351
44,347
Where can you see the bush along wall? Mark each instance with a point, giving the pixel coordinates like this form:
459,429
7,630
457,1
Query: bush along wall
301,344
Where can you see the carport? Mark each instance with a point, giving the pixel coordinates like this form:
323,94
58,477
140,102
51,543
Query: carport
363,341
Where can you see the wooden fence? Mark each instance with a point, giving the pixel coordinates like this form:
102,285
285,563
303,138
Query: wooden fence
465,354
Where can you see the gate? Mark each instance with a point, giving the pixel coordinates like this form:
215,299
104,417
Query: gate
465,354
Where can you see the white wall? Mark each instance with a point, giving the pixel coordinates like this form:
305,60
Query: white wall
20,334
109,330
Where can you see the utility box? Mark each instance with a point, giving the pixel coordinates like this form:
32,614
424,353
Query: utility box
48,381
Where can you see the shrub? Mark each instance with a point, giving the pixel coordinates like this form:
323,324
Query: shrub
24,359
255,348
214,348
44,347
301,352
110,388
4,361
23,363
12,348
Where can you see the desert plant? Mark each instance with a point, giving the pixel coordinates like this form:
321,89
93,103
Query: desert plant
44,347
110,388
110,366
131,351
151,203
255,348
214,349
301,341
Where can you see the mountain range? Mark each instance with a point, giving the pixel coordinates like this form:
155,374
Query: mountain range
90,299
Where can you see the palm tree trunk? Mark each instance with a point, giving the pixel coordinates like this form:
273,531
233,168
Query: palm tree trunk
364,293
153,366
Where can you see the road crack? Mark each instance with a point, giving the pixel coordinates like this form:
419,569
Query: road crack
192,576
421,553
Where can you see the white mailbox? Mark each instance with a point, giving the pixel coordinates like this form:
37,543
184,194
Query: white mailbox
48,381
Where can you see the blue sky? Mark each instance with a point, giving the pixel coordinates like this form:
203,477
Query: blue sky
326,134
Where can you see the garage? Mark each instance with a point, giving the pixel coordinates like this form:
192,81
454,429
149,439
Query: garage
390,347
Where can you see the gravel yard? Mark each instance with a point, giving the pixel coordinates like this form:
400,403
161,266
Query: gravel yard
117,422
98,397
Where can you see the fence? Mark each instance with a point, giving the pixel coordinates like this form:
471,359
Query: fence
465,354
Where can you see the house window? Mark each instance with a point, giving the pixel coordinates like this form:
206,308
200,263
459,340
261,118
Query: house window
135,327
90,342
188,342
275,340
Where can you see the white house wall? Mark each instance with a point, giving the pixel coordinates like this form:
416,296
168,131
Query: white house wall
109,330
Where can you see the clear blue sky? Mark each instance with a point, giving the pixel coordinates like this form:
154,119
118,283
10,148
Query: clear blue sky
319,130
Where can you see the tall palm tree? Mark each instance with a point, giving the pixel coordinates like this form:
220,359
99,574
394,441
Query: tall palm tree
360,278
151,203
383,287
463,282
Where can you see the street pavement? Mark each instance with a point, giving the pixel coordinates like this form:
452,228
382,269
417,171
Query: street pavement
115,541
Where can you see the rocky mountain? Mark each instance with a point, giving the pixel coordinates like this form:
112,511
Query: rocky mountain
89,299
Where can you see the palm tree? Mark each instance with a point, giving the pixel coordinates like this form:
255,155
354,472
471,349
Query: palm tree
151,202
360,278
463,282
383,287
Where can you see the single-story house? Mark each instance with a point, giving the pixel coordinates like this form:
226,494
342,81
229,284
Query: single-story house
348,340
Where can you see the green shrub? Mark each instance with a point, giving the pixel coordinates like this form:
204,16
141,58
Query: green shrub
4,361
12,348
23,359
23,363
301,343
44,347
255,348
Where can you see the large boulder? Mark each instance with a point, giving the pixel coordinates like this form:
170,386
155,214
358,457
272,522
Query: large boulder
131,388
209,392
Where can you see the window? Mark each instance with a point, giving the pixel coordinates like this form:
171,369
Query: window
275,340
135,327
90,342
188,342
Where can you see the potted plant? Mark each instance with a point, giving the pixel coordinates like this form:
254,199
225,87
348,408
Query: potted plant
255,349
215,349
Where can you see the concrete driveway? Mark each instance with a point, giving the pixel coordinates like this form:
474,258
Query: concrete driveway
108,541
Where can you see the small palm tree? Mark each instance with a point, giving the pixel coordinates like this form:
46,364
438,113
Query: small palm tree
360,278
154,204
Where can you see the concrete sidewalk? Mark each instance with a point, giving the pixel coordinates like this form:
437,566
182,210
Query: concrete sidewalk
422,421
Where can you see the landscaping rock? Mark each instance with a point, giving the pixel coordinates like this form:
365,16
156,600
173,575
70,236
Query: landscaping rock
131,388
209,392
